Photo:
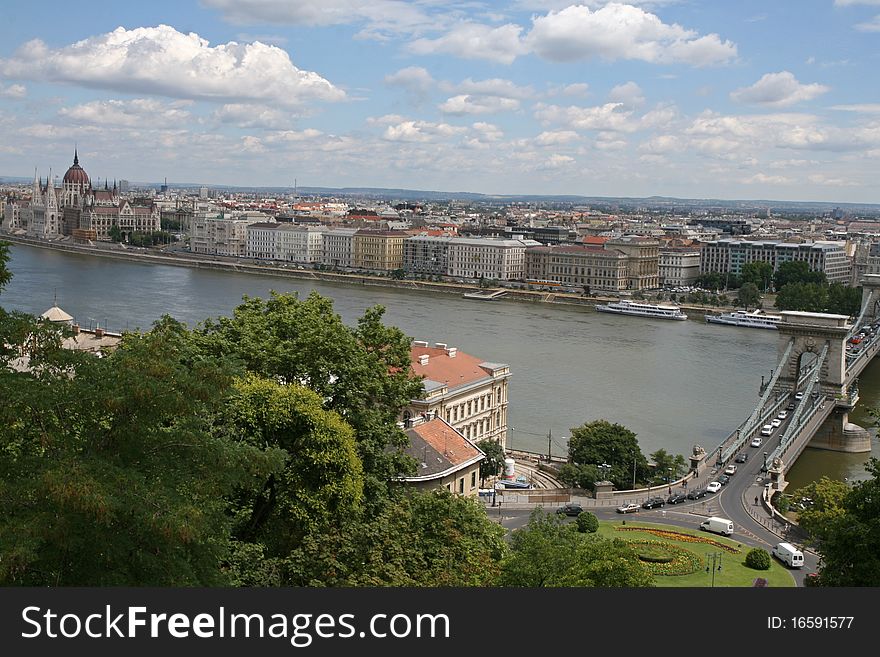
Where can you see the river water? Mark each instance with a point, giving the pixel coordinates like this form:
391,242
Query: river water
673,383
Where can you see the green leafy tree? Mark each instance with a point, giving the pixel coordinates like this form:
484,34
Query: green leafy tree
549,552
577,475
710,281
587,523
809,297
850,543
827,497
115,233
433,538
758,559
601,442
493,464
844,300
112,472
362,373
667,467
749,296
796,271
5,274
758,273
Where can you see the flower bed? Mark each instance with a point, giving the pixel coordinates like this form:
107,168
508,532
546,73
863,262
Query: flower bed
680,536
679,561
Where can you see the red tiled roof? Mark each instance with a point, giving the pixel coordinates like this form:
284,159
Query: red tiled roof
461,369
594,240
454,447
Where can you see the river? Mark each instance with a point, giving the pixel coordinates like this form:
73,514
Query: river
674,383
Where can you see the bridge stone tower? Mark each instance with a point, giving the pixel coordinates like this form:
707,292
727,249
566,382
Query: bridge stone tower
870,298
810,332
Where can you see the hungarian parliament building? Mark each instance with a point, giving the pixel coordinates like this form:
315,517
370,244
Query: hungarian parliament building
76,209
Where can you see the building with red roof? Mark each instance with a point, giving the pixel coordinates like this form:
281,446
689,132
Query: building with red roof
445,458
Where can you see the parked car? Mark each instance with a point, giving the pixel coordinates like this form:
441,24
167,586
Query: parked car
730,469
713,487
697,493
767,430
742,458
653,503
515,484
676,498
756,442
571,509
723,479
632,507
782,414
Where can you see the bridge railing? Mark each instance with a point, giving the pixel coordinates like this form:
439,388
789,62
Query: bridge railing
792,439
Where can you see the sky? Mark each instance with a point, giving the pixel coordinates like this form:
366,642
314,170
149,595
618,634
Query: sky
690,98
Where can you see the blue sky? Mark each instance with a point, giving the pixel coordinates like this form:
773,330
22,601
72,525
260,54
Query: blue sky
692,98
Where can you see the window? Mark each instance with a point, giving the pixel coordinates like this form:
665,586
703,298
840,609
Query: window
461,485
473,479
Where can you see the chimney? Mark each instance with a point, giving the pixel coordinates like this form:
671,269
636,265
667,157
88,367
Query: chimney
99,332
452,351
75,328
441,345
420,343
429,415
423,359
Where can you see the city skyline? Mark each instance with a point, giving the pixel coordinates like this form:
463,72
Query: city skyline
682,98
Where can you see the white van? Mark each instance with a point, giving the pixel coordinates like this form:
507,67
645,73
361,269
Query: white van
788,554
717,525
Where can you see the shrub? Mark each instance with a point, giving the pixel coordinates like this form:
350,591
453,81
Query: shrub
587,523
758,559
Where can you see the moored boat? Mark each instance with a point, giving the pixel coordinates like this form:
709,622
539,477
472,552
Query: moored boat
753,319
657,311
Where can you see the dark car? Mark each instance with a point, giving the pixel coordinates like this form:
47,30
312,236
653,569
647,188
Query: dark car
742,458
653,503
697,493
571,509
722,479
676,498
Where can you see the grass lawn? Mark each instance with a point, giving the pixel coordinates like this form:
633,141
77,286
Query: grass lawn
733,571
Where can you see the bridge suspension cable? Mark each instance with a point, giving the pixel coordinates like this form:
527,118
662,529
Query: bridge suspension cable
751,423
868,303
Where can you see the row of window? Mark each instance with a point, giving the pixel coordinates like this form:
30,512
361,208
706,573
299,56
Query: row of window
461,483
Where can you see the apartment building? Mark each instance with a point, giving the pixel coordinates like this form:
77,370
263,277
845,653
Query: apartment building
426,254
377,250
494,259
593,267
679,266
337,247
729,256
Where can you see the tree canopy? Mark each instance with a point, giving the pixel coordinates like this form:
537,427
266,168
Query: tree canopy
748,296
758,273
601,442
796,271
493,464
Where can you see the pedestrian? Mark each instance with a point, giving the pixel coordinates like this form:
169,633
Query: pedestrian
756,500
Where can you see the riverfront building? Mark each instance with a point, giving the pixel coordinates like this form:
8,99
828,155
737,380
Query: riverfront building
224,236
377,250
466,392
494,259
445,458
427,254
679,266
337,247
729,256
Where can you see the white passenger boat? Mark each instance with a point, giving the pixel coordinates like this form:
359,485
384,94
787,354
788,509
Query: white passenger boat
753,319
642,310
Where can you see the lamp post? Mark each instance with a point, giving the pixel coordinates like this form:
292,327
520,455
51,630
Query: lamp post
764,467
669,479
715,559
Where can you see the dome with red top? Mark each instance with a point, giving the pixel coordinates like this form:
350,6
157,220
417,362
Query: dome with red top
76,174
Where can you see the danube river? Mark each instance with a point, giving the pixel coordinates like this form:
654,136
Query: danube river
673,383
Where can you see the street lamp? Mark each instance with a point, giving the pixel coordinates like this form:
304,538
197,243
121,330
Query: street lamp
669,479
715,558
764,467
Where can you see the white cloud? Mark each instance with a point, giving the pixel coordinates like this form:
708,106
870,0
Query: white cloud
576,89
662,144
467,104
872,25
412,78
136,113
16,91
861,108
556,138
764,179
494,87
628,94
421,131
610,116
618,31
245,115
778,90
381,17
831,181
161,60
475,41
848,3
488,131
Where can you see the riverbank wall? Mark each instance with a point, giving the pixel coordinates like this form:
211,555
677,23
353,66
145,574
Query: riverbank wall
197,261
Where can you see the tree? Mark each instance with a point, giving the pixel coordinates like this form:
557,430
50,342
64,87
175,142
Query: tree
844,300
579,475
796,271
809,297
398,274
549,552
826,504
493,464
112,472
587,523
601,442
748,296
433,538
667,467
850,542
710,281
115,233
758,273
5,274
758,559
362,373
